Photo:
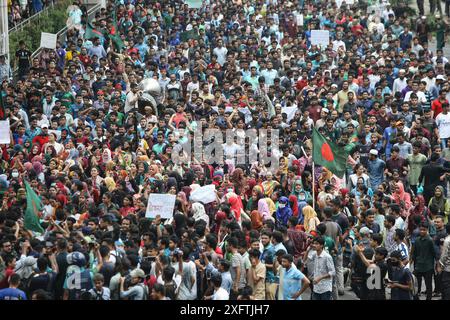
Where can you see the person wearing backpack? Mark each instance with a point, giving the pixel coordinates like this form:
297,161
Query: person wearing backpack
137,290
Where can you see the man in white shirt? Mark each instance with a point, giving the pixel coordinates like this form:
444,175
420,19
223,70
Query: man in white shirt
401,82
131,101
415,89
443,125
219,292
221,52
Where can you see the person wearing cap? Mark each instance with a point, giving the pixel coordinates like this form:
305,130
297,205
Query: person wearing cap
375,169
136,290
401,82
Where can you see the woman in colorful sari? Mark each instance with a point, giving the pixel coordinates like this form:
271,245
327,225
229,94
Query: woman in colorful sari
269,185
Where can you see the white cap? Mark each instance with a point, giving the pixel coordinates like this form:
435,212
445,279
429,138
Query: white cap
325,110
441,77
374,152
365,230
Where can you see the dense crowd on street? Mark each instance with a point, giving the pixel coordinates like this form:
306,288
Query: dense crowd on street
87,151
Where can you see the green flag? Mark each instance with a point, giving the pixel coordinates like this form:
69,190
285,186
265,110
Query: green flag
91,32
117,42
31,221
191,34
328,154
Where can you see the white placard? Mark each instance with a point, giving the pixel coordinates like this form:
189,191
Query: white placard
48,40
320,37
290,112
299,18
204,194
5,136
161,204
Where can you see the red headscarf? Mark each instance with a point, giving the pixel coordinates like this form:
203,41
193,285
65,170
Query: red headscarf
294,204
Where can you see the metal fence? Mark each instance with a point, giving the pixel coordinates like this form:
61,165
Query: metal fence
29,20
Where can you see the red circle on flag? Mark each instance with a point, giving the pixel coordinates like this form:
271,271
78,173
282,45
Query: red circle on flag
327,154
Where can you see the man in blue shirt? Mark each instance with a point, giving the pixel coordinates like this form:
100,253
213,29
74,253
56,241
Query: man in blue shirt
292,281
12,293
375,169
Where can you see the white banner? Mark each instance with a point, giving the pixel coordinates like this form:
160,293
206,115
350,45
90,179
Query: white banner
161,204
48,40
320,37
5,137
204,194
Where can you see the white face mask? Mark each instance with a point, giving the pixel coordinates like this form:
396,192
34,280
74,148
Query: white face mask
282,205
15,174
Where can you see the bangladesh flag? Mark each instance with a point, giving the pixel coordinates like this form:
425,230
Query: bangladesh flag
117,42
31,221
328,154
91,32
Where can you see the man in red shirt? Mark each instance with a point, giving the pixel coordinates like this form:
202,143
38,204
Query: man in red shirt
42,138
436,106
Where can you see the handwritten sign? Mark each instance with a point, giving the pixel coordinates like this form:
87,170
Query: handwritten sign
204,194
5,137
48,40
320,37
161,204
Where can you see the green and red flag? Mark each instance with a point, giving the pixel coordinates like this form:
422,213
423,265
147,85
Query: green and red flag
328,154
34,205
91,32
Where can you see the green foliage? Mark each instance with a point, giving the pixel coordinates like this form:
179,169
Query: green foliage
52,21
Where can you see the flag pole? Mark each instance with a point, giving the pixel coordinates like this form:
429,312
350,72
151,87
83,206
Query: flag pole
314,185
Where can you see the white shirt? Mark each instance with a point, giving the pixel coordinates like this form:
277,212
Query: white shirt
399,85
419,94
443,124
221,294
221,54
128,102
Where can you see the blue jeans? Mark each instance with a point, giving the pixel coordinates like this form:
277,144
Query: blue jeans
321,296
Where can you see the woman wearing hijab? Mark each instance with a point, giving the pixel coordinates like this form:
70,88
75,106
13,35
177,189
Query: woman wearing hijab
298,191
441,202
293,201
310,219
264,211
402,198
236,206
199,213
284,211
110,184
418,210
